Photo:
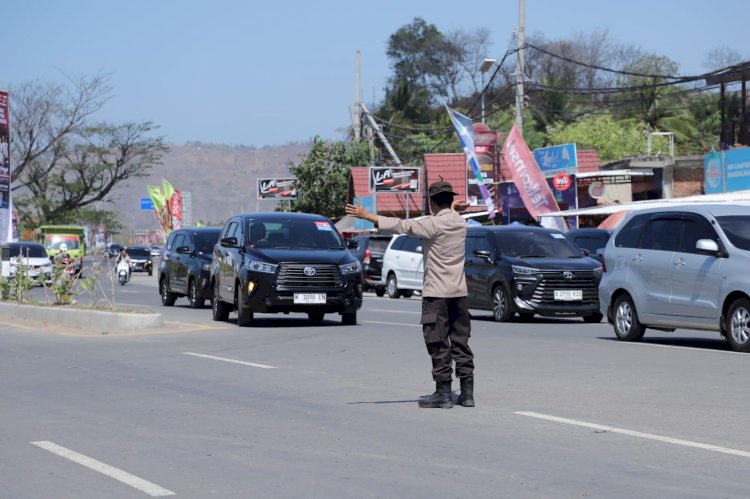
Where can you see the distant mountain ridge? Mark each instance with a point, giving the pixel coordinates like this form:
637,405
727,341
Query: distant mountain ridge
221,179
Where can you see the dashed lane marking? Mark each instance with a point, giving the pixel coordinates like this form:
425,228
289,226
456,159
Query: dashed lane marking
637,434
391,323
233,361
105,469
393,311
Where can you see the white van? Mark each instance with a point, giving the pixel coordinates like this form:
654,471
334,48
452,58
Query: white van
403,266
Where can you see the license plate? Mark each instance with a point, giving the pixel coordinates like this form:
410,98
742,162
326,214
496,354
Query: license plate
309,298
568,294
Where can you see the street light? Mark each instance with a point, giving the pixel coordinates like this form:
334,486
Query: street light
486,65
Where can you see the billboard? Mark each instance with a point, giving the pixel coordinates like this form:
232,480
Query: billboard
5,208
403,179
277,188
485,147
727,171
557,159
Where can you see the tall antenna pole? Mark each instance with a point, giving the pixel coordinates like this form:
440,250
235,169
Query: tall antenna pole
356,124
520,69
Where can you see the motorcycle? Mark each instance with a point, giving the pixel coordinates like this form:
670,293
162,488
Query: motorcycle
68,265
123,272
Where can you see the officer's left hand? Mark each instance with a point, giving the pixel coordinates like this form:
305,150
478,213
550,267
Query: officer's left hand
459,205
356,211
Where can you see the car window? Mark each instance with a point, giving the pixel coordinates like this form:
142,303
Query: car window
482,243
398,242
205,241
293,233
53,241
139,252
737,229
592,242
661,234
170,240
179,240
694,229
469,247
630,235
411,244
377,245
231,230
30,251
535,244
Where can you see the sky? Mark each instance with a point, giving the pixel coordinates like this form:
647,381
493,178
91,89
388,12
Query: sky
268,73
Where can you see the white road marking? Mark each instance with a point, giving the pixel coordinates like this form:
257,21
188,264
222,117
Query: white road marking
677,347
650,436
105,469
233,361
391,323
393,311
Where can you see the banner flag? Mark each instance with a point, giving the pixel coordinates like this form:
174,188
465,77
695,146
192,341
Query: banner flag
160,211
530,181
175,209
6,224
465,131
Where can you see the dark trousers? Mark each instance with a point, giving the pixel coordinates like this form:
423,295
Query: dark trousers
447,327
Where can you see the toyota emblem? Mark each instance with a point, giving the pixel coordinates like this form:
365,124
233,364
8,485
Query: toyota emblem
568,274
309,271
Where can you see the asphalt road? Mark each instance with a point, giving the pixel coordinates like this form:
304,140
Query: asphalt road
287,408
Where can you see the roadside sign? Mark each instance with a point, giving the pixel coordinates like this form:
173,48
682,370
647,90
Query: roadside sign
277,188
394,179
557,159
147,204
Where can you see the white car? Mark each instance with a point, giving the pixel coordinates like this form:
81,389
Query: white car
403,266
34,257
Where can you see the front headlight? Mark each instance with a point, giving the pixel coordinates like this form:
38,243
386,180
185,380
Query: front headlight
598,272
255,266
206,267
521,270
350,268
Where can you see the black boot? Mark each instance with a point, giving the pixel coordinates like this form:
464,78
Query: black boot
466,398
441,399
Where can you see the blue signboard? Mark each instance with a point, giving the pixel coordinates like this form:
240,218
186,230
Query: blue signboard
727,171
368,203
147,204
557,159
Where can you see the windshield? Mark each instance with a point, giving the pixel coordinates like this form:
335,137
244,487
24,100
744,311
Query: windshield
31,251
737,229
379,244
139,252
53,241
592,243
313,234
205,241
535,244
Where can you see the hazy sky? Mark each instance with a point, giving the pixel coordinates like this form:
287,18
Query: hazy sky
270,72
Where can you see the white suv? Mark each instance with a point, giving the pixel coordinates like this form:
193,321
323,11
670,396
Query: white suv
680,267
403,266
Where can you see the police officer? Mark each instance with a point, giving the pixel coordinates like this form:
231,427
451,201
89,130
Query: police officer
446,324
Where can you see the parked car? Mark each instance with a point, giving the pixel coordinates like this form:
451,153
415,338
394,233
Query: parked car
185,265
680,267
140,259
403,266
33,256
591,240
529,270
284,262
113,250
370,250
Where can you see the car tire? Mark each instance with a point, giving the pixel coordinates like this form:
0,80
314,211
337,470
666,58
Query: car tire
501,308
219,308
244,316
625,321
594,318
737,325
316,316
380,292
407,293
193,298
391,286
349,318
167,298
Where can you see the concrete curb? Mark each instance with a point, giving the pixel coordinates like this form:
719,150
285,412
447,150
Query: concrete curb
93,321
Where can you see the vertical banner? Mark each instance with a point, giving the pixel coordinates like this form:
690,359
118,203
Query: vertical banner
175,209
6,231
529,179
464,129
485,147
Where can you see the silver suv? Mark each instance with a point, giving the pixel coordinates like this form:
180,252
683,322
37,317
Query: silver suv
680,267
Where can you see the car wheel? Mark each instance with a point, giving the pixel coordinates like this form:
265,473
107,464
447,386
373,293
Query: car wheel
349,318
167,298
501,311
594,318
244,316
391,286
737,325
380,292
407,293
219,308
315,316
193,298
626,323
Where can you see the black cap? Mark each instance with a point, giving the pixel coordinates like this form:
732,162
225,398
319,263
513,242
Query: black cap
440,186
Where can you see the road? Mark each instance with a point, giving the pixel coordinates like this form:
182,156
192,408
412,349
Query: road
288,408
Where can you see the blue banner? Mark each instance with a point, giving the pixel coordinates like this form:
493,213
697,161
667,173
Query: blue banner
727,171
147,204
557,159
465,131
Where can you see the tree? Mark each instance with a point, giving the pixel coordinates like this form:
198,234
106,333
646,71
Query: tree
323,176
65,161
612,139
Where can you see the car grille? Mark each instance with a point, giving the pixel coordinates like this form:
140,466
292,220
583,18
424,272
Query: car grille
583,280
292,275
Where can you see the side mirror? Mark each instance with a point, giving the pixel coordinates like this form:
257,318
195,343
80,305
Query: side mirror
585,252
183,249
229,242
352,244
484,254
707,247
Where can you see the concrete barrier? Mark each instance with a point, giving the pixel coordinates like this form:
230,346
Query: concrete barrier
93,321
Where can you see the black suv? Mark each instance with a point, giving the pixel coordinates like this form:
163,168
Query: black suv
369,251
530,270
185,265
284,262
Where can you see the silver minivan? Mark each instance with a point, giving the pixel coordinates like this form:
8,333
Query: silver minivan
683,266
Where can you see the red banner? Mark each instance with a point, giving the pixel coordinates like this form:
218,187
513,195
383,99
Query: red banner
175,209
529,179
6,229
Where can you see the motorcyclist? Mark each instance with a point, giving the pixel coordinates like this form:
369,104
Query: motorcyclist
123,257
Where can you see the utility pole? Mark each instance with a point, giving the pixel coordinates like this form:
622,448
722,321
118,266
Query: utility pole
356,124
520,69
379,133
